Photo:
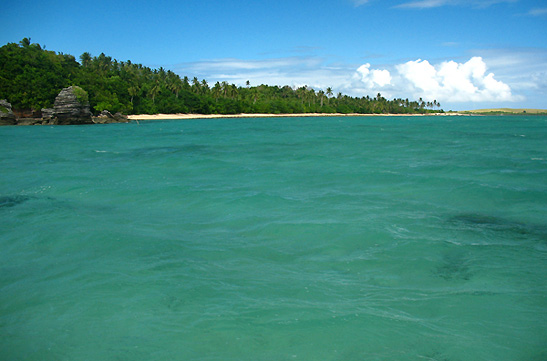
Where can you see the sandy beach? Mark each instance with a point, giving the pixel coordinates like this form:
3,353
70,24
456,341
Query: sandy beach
211,116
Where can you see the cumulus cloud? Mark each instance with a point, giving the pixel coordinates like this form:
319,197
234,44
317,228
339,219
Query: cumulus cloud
373,78
467,82
447,81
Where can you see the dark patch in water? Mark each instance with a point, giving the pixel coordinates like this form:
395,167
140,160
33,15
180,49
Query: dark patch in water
174,304
489,222
185,149
497,224
436,356
16,200
12,201
536,356
454,266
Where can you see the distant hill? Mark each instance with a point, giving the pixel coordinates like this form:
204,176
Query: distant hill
506,110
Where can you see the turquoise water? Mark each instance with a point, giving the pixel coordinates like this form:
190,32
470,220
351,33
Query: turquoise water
358,238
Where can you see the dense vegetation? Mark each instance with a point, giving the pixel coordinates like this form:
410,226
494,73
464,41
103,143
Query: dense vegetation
31,77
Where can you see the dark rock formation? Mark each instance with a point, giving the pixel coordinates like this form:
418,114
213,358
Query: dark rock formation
27,113
28,116
48,114
6,114
121,118
106,117
71,107
30,121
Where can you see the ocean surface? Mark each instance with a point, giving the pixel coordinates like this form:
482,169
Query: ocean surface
337,238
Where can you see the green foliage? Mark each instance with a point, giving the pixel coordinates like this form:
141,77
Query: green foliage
3,109
81,94
31,78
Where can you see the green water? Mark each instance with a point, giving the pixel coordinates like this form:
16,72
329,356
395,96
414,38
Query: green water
358,238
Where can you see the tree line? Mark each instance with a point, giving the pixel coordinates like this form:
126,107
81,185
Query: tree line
31,77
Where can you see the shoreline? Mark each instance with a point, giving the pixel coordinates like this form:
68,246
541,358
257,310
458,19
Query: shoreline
262,115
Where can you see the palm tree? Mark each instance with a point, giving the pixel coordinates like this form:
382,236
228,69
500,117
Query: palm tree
329,93
311,96
204,87
85,58
154,91
254,92
185,83
322,95
176,86
196,85
25,42
233,91
217,90
301,93
225,87
133,91
162,74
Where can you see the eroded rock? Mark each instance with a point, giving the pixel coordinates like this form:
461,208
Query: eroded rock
106,118
6,114
71,107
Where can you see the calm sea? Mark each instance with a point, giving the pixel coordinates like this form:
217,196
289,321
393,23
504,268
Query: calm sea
351,238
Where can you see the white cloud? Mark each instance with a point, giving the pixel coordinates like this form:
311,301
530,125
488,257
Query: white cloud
455,82
447,81
375,77
292,71
538,12
498,76
420,73
426,4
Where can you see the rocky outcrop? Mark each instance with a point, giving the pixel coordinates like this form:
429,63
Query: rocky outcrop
27,113
71,107
106,118
47,114
30,121
28,116
6,114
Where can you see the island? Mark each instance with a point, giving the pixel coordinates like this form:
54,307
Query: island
45,87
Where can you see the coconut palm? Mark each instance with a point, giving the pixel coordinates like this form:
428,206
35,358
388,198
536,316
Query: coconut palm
85,58
329,93
154,91
322,95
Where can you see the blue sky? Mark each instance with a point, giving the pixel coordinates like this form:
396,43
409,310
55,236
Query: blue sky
466,54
